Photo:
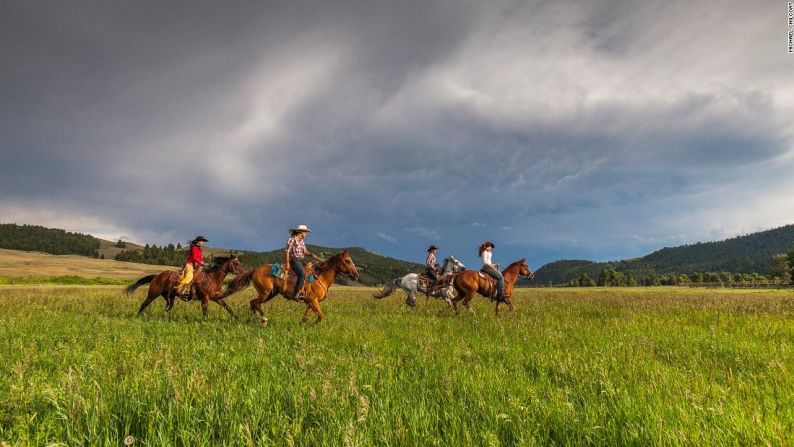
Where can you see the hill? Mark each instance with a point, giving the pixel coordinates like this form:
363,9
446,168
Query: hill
21,264
746,254
47,240
373,268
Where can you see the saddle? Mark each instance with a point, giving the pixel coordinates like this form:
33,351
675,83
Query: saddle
198,278
491,283
280,272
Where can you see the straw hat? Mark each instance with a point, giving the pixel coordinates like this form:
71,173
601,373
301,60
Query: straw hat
300,228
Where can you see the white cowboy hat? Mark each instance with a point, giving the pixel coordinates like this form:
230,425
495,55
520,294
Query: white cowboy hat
301,228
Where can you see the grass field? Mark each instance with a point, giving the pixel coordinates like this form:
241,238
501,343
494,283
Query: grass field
570,367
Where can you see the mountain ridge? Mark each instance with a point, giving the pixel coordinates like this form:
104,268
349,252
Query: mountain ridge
748,253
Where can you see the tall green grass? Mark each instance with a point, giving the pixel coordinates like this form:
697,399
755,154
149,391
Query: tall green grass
569,367
63,280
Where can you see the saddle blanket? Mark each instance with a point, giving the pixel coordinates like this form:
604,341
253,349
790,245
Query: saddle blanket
279,272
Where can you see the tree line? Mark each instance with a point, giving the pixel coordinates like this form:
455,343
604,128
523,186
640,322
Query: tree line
47,240
612,278
152,254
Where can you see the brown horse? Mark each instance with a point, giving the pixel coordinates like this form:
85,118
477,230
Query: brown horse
269,286
469,282
207,284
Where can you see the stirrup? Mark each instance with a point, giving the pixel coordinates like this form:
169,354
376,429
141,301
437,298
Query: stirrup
183,296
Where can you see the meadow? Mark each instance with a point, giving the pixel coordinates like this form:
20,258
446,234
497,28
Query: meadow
656,366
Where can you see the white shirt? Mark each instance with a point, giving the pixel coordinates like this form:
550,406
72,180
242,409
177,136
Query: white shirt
486,257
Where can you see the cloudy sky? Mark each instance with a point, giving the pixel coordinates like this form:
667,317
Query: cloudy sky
556,129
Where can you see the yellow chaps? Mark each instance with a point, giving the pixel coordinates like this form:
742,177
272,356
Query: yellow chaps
185,278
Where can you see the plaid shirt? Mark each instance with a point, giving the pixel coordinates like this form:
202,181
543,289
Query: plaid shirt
296,248
431,260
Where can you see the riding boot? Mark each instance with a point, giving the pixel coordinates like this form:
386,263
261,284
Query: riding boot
183,293
301,295
434,287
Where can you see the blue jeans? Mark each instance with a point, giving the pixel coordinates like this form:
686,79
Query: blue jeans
298,266
431,273
497,275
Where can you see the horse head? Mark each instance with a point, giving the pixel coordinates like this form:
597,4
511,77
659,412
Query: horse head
349,268
457,266
343,264
234,265
524,269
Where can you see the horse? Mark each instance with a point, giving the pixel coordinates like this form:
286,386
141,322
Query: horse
268,286
471,281
207,284
411,284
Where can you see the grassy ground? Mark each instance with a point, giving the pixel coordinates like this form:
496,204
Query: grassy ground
569,367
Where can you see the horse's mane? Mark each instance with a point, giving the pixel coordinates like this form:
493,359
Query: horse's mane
217,263
513,265
328,263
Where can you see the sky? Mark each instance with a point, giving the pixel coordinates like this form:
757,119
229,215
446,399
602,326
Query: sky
556,129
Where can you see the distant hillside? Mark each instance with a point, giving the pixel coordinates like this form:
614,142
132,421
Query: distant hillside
47,240
373,268
751,253
22,264
109,250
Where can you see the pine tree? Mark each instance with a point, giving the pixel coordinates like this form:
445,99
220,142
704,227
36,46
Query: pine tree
781,268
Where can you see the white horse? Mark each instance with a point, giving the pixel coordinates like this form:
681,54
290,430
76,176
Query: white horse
414,282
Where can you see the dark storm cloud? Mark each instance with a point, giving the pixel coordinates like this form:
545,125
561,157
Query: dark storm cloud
598,129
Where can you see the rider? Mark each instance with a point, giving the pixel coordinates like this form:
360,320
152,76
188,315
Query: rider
296,251
492,269
194,262
431,267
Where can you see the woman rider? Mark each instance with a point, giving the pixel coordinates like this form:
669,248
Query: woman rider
195,259
296,252
492,269
430,263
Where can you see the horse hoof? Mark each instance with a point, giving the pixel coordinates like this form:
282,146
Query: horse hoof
265,321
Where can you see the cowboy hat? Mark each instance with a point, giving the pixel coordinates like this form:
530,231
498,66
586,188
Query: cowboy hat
200,238
432,247
300,228
487,243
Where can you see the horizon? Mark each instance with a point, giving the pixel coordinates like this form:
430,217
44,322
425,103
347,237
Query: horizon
421,261
602,131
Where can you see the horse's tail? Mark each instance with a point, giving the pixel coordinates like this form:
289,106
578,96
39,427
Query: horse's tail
239,283
388,289
129,290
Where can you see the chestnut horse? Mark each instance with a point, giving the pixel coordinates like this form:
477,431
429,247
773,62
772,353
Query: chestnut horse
207,284
268,286
471,281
